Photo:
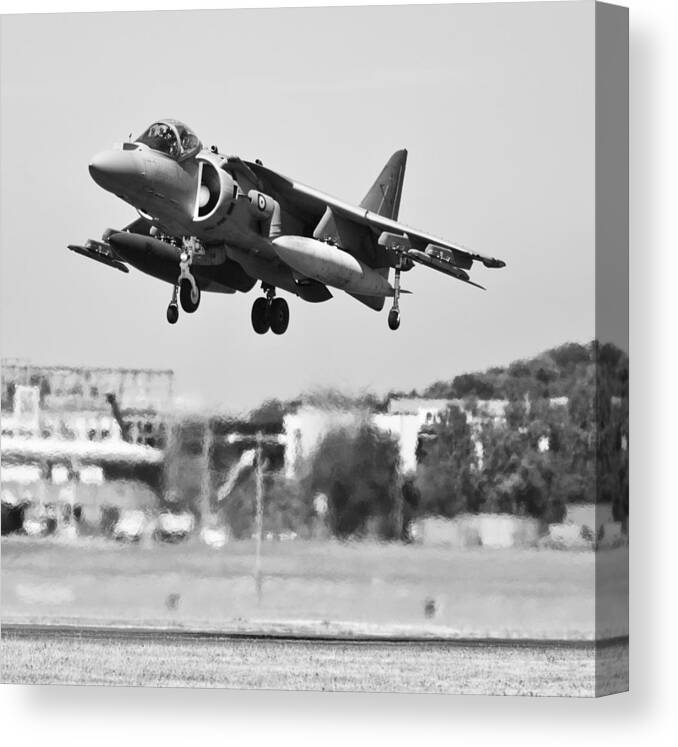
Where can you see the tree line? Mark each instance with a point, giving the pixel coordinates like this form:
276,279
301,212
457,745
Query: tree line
544,454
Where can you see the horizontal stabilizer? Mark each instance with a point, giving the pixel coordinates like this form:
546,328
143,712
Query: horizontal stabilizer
99,252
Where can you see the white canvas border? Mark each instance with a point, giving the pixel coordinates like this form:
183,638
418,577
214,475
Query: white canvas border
60,715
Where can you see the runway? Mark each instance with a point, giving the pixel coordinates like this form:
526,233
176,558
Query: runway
175,657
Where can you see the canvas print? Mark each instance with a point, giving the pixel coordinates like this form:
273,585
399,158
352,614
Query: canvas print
314,336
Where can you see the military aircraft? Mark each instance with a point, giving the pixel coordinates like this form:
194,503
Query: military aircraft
212,222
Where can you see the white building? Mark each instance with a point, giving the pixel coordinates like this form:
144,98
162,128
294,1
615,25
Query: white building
405,418
306,428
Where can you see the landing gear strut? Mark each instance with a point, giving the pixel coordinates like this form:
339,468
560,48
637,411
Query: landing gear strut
189,293
186,287
270,312
394,313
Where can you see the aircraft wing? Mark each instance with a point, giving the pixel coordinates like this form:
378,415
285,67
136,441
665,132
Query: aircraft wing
386,238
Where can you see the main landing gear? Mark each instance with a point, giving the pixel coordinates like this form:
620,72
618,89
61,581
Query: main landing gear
186,288
270,312
394,313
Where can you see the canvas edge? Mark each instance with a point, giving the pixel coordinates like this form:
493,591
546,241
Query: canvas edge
611,288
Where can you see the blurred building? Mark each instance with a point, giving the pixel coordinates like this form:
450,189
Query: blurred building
85,403
405,419
80,436
203,450
411,420
305,428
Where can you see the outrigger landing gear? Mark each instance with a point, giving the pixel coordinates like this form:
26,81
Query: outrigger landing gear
270,312
393,319
394,313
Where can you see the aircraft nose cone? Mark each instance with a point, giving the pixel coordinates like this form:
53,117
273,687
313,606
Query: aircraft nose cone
111,168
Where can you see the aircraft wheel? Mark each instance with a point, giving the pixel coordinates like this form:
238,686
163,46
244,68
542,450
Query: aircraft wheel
393,319
190,299
172,313
280,316
261,320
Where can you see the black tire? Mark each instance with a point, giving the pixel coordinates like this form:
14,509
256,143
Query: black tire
393,319
280,316
187,303
172,313
261,320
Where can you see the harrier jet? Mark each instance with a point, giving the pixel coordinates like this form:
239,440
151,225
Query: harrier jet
209,222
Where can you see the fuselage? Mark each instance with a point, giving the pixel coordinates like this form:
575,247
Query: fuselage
170,192
184,191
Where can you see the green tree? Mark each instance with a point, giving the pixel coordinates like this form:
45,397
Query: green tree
446,480
517,477
357,468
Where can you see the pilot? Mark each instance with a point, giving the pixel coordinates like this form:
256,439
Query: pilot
168,142
187,141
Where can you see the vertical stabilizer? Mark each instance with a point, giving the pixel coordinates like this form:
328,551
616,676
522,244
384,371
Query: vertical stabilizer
384,195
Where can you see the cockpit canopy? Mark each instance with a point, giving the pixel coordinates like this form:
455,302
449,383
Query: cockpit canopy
172,138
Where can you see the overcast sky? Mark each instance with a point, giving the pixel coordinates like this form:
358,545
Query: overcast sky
495,104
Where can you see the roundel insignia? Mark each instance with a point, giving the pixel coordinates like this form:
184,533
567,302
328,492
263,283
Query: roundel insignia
261,200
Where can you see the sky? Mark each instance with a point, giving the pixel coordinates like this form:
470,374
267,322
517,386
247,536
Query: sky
495,104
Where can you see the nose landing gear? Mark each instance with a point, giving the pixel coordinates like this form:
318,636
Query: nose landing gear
189,296
270,312
186,286
189,293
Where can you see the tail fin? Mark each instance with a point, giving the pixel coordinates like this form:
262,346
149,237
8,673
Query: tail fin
384,195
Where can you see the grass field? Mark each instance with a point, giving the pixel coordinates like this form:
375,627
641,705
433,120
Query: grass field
284,665
531,593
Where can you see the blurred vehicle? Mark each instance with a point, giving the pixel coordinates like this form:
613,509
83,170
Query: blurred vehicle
215,537
130,526
13,513
174,527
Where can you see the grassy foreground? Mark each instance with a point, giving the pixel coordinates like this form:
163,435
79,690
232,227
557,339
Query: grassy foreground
530,593
316,666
